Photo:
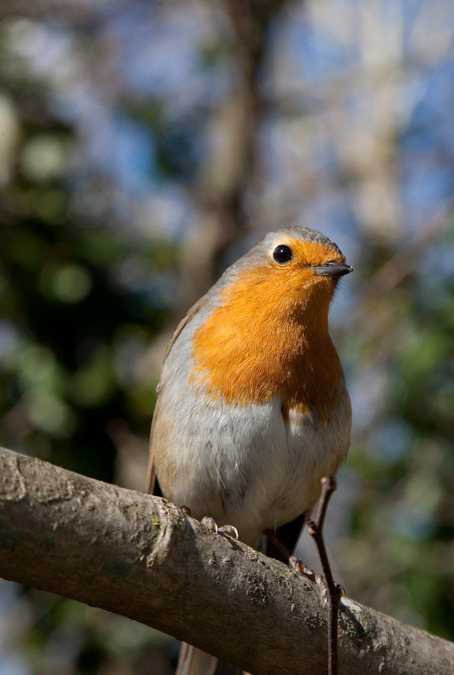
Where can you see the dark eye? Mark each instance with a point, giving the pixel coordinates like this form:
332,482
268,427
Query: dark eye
282,254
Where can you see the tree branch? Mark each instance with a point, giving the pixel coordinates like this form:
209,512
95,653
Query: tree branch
142,557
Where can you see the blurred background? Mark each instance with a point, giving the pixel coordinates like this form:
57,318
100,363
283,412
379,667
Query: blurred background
144,146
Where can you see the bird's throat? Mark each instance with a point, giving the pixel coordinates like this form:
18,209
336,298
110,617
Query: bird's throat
251,351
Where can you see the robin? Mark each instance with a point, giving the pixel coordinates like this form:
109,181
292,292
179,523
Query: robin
253,408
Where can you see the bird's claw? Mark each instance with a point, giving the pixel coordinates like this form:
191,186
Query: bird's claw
211,524
230,530
298,565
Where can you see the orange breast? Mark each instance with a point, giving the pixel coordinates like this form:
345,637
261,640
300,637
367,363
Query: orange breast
270,338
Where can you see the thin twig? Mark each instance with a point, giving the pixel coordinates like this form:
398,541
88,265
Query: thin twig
334,591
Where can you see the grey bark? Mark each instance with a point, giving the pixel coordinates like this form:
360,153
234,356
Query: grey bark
140,556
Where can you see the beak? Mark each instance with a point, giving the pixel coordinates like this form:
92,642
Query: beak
333,269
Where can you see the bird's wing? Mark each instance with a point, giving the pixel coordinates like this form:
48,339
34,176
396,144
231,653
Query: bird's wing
152,483
195,309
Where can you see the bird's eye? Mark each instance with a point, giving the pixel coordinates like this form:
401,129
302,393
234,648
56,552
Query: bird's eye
282,254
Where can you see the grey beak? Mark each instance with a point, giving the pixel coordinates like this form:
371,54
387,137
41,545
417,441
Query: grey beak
332,269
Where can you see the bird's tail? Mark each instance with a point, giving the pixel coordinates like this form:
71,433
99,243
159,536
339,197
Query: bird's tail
193,661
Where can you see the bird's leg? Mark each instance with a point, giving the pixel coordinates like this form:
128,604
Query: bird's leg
334,591
294,562
278,543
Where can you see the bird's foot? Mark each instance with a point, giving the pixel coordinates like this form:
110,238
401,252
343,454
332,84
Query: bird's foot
298,565
211,524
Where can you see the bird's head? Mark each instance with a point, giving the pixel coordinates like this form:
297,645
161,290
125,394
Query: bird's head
294,268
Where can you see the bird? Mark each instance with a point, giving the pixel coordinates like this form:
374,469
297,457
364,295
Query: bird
252,408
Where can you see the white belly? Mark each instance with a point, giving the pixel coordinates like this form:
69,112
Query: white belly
243,465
